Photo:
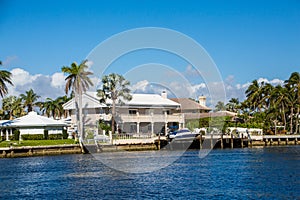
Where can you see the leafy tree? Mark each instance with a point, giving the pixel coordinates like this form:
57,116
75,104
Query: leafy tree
29,99
115,88
78,82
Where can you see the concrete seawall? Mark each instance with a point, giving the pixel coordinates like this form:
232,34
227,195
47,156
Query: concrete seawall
25,151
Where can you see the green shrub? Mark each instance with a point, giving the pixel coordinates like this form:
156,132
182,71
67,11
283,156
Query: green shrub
55,136
65,134
46,135
33,137
16,135
104,126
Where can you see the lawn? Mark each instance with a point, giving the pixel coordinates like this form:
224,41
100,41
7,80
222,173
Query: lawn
35,143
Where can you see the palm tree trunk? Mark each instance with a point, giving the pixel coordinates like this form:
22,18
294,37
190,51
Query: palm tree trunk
113,116
80,116
291,122
77,113
284,118
297,120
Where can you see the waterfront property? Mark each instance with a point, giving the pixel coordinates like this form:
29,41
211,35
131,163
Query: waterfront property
192,109
32,124
143,114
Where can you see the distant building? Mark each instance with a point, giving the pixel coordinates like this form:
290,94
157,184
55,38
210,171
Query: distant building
192,109
32,123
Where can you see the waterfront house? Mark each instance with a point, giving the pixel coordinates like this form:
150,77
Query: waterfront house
31,124
192,109
144,114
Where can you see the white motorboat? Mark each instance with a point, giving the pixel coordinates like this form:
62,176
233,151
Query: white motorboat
182,134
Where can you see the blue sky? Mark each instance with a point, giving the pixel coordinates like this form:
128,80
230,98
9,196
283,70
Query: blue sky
246,39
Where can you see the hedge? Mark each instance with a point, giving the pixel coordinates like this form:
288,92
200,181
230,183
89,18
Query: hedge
55,136
33,137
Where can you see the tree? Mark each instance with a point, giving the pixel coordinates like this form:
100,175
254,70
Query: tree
5,78
114,87
54,107
78,81
12,107
280,101
220,106
29,99
293,87
254,95
233,105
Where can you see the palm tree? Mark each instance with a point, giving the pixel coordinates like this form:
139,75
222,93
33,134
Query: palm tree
53,107
29,99
233,105
254,95
5,78
293,85
220,106
78,81
280,101
114,87
12,106
266,92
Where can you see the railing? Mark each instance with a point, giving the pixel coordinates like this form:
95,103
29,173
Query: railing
132,136
151,118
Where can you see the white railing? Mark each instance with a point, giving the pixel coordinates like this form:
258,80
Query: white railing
151,118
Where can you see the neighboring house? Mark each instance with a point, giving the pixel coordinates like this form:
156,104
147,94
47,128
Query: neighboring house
32,123
145,113
92,110
192,109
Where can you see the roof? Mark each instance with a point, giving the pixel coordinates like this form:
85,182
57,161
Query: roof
32,119
89,100
209,114
150,100
188,104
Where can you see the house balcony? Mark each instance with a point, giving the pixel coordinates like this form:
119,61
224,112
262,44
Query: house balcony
152,118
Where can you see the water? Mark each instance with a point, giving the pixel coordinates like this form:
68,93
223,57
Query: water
265,173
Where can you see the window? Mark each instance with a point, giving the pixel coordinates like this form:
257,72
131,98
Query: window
167,111
132,112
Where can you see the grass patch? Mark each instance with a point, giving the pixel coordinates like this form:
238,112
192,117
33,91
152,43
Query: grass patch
36,143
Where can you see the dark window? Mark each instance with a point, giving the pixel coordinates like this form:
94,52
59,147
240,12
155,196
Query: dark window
132,112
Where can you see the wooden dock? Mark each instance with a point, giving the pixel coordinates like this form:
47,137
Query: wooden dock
231,141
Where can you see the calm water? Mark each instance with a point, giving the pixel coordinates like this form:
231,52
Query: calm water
266,173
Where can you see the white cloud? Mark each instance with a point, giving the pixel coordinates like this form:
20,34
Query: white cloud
21,77
43,85
276,81
58,80
140,86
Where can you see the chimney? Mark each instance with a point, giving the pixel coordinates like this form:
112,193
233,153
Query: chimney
202,100
164,94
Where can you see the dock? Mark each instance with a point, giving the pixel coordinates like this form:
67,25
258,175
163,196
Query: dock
200,142
231,141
